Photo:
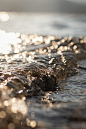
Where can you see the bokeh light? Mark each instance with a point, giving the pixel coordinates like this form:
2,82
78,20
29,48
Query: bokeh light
4,16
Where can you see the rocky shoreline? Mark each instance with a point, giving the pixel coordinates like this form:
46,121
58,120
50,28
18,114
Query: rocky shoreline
41,63
53,60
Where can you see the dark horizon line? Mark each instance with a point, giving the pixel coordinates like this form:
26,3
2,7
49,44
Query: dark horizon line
40,6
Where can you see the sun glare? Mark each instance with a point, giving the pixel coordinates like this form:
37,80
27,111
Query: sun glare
9,41
4,16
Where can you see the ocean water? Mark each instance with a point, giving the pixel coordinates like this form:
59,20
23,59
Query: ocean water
59,24
65,108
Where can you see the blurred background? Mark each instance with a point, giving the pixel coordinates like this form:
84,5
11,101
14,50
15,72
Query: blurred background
73,6
45,17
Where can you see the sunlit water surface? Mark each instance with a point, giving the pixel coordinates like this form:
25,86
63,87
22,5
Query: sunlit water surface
63,109
44,23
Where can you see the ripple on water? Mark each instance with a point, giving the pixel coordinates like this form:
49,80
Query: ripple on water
43,70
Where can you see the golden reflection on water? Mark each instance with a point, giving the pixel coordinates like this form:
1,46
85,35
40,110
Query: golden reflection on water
16,42
33,123
11,126
7,41
2,114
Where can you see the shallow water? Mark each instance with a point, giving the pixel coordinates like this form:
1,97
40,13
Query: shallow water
63,109
66,107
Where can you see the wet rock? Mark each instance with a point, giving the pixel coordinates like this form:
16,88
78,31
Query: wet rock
48,61
37,68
